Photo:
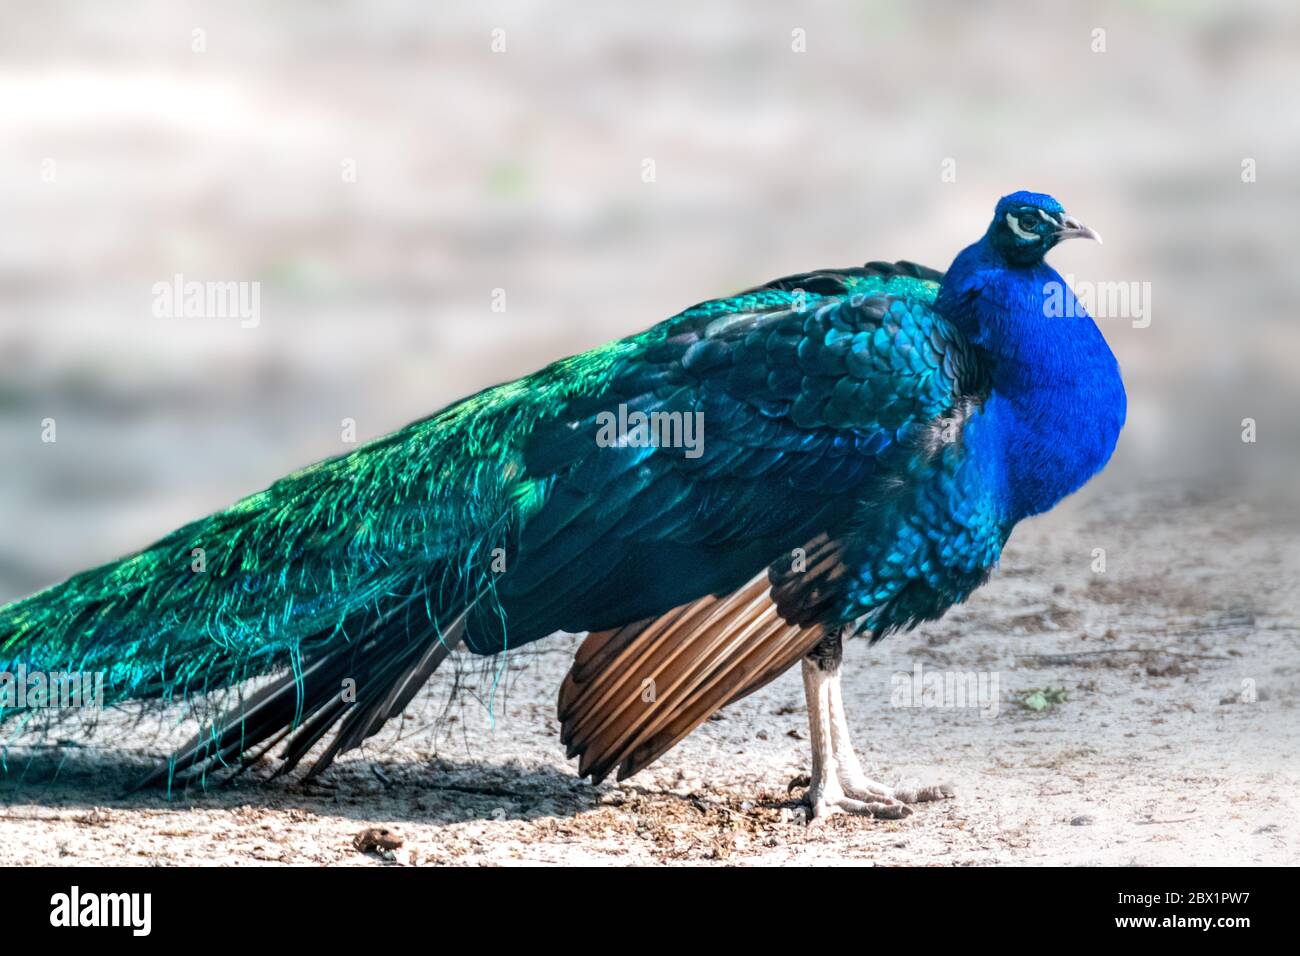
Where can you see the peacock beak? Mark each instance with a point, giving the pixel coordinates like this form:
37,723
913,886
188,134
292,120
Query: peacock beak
1071,228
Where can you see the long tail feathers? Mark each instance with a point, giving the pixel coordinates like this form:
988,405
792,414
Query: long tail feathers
358,686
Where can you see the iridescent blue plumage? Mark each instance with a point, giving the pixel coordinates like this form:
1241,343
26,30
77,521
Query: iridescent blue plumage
870,438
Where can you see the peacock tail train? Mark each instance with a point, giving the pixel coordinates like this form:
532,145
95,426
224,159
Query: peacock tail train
361,572
363,558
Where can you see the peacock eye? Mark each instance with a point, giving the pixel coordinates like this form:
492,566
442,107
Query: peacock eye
1028,221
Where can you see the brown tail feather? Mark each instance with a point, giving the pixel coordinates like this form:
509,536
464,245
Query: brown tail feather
635,692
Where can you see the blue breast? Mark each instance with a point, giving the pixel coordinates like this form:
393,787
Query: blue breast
1057,403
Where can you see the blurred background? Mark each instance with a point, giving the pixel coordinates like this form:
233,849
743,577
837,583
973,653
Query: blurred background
388,172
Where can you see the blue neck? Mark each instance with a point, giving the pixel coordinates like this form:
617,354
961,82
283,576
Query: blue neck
1057,402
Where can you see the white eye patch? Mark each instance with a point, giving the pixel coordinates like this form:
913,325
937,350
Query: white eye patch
1015,227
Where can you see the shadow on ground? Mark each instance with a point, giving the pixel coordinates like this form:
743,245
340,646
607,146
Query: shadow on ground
433,791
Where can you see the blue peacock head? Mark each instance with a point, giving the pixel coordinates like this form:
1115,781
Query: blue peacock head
1025,225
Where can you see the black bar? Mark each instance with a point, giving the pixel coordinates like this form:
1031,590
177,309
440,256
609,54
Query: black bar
300,905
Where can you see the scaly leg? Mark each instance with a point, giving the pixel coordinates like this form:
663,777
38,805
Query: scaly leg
838,782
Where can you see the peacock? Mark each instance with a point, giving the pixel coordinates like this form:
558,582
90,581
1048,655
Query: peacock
734,491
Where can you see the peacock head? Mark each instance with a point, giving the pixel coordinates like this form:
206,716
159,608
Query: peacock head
1025,225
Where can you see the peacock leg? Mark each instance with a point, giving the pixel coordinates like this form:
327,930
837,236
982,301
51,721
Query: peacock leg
838,782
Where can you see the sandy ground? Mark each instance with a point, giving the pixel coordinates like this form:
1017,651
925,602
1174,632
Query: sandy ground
1175,740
